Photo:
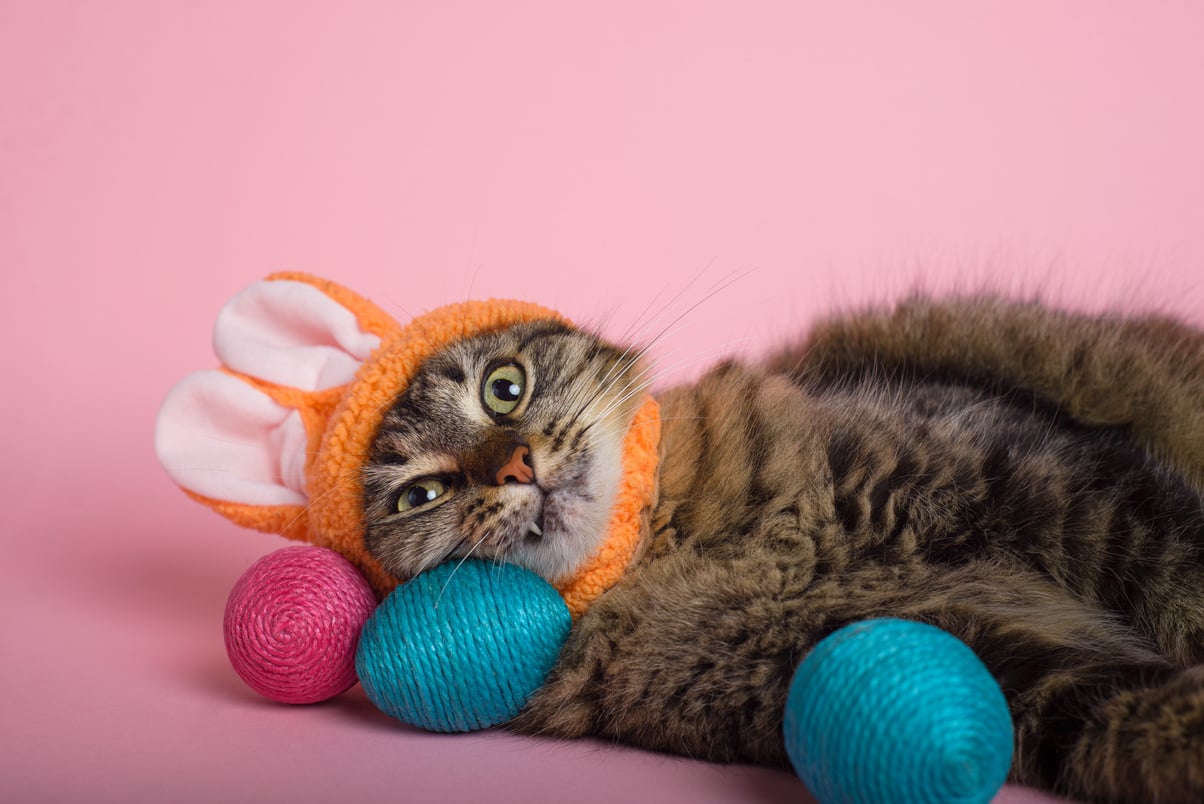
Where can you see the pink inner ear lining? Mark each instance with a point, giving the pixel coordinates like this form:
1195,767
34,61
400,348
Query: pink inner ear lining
290,441
370,317
222,438
290,333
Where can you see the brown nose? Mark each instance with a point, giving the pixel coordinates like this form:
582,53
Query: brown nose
518,469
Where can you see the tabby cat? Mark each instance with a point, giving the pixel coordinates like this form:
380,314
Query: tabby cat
1029,480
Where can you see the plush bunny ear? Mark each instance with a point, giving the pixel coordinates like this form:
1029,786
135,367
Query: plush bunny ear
223,439
292,334
239,439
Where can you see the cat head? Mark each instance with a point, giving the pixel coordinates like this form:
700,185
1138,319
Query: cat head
504,446
492,428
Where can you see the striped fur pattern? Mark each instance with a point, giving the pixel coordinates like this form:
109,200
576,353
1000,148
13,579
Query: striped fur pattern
1030,481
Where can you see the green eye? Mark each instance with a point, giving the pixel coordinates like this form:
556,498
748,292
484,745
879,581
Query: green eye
421,492
503,388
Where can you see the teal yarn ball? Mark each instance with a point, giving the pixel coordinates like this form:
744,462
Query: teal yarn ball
900,712
460,648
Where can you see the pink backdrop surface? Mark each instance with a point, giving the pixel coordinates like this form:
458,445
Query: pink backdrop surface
604,159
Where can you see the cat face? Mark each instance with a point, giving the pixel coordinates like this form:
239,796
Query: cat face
504,446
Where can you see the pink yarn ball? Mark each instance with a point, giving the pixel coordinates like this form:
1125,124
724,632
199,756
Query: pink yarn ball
293,622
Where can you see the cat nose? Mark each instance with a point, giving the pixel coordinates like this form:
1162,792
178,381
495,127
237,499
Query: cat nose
517,469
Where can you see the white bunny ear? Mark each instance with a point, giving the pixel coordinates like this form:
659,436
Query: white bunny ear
224,439
291,334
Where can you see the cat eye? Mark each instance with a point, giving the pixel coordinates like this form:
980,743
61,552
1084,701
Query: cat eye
421,492
503,388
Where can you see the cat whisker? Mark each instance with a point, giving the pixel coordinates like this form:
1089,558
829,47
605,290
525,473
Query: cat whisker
588,406
624,395
626,363
631,387
658,374
628,393
312,502
637,324
615,430
643,350
663,369
620,365
721,284
459,564
588,398
715,290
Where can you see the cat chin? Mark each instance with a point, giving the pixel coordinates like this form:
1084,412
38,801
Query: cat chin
573,530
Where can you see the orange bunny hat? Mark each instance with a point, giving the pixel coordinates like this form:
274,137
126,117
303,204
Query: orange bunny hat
276,438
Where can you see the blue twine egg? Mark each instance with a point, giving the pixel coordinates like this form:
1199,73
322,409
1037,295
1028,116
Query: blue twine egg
900,712
460,648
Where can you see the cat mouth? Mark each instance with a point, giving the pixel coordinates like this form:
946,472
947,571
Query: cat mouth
553,533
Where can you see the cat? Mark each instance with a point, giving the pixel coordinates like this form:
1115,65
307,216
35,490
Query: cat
1030,480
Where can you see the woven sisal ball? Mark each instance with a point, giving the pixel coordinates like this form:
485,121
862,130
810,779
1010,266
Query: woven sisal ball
460,648
897,712
293,621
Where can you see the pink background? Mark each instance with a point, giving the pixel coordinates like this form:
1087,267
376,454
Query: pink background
157,157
